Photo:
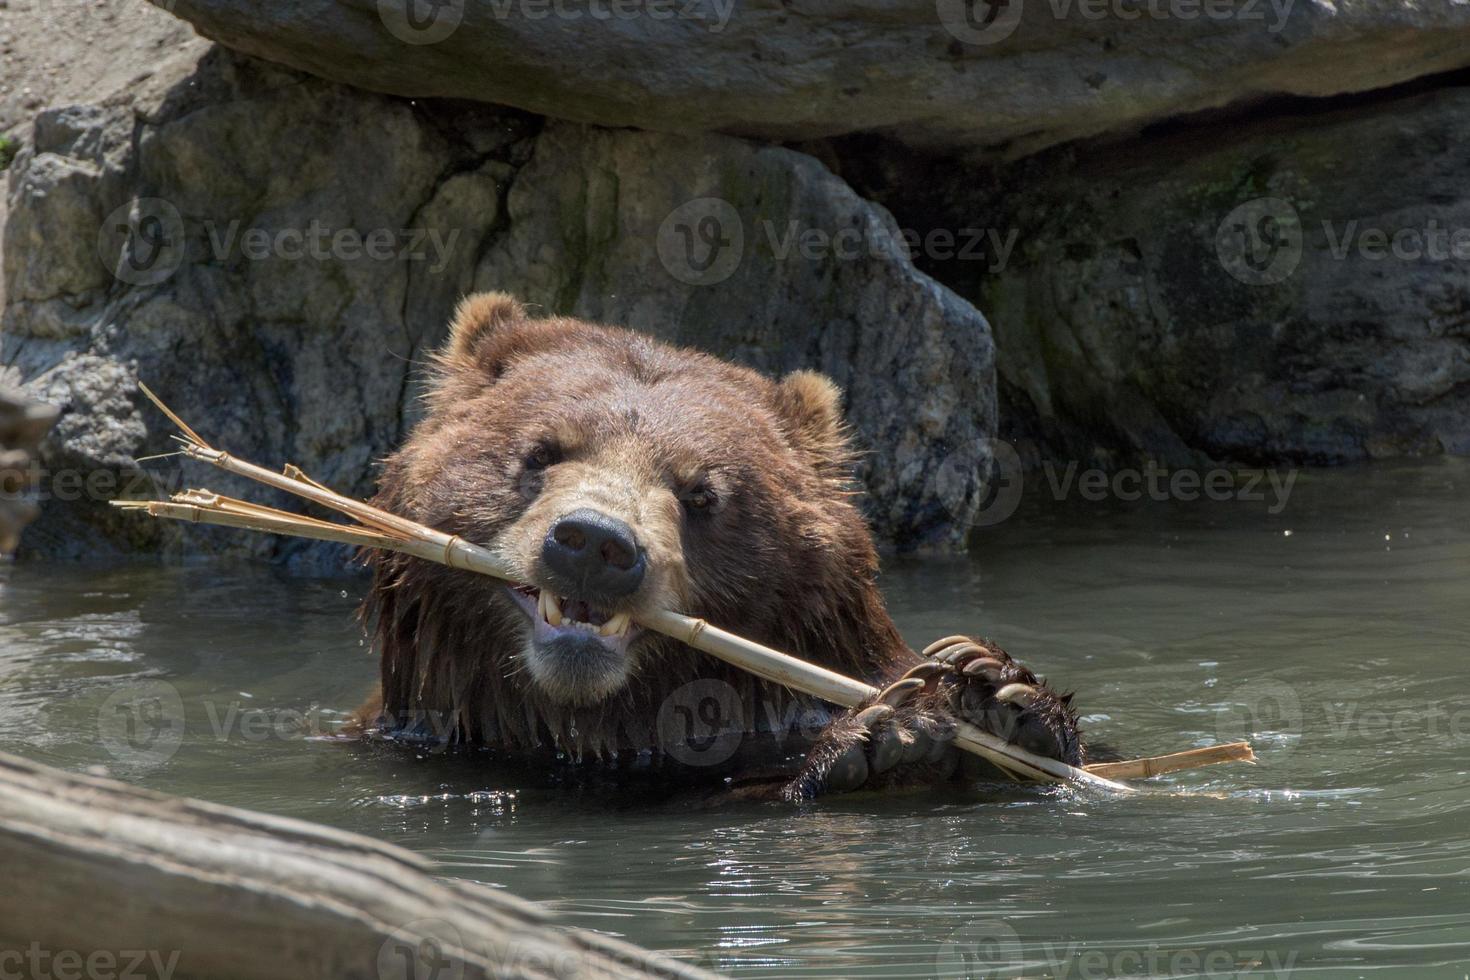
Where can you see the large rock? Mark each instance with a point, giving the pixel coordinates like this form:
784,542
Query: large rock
927,71
274,254
1296,293
131,253
763,256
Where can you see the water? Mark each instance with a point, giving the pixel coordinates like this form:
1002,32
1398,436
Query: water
1339,648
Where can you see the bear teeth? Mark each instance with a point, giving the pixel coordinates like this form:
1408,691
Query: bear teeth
617,625
549,608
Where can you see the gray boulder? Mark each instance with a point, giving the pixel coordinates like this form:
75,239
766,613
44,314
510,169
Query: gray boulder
961,74
190,244
273,254
763,256
1297,293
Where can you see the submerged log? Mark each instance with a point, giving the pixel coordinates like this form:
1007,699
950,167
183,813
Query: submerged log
103,878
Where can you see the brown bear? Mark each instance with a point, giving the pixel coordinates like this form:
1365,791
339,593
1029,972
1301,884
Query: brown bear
617,474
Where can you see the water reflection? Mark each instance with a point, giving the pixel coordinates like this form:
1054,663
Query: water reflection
1338,649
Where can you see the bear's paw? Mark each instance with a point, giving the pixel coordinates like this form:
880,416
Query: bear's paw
904,735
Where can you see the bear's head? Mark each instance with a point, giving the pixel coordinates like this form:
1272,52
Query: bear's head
614,474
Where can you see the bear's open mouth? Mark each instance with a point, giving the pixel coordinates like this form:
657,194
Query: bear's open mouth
577,653
563,614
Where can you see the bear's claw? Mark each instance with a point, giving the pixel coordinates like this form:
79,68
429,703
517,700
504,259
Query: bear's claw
904,734
899,691
1018,694
926,671
873,714
948,641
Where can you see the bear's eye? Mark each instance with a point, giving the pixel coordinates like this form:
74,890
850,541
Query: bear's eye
700,499
542,456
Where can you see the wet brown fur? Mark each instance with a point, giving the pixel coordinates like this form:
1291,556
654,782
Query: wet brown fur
786,559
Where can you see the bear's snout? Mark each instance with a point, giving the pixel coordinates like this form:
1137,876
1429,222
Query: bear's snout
592,555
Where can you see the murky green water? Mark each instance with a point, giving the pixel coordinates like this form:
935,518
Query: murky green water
1340,648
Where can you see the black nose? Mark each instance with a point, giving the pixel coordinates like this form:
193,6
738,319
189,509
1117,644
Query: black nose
593,555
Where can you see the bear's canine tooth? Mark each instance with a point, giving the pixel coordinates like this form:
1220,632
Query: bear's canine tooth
617,625
550,608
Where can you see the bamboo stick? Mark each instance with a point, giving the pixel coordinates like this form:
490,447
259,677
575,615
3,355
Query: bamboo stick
204,507
390,532
1174,762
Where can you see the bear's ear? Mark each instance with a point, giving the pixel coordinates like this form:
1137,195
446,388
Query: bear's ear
810,408
488,329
